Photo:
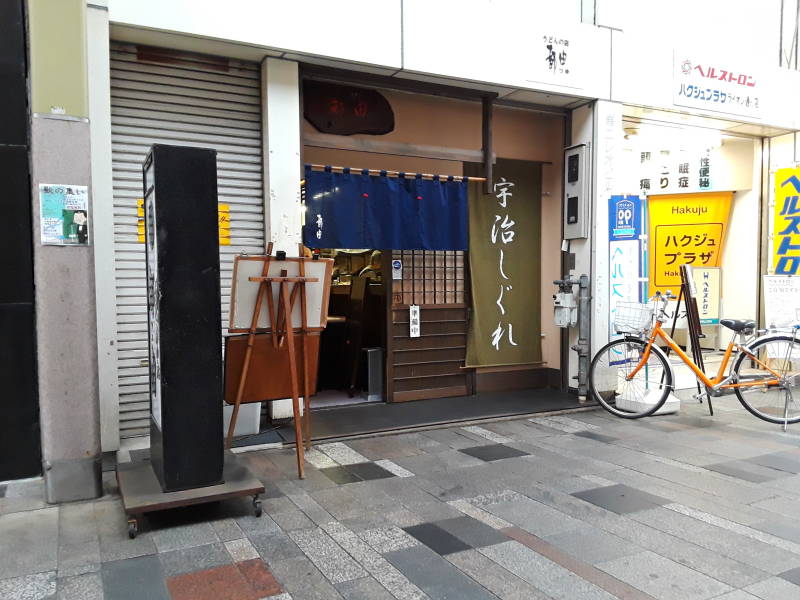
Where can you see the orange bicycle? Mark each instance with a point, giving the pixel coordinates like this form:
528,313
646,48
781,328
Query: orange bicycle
632,378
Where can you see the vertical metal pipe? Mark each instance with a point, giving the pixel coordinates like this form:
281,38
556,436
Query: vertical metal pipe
584,328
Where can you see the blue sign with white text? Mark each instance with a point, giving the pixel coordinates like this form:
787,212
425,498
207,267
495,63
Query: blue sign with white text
624,218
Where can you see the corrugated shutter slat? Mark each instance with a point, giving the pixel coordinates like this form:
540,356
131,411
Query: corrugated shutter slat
188,100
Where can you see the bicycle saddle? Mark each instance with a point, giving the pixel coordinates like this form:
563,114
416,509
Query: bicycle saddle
738,324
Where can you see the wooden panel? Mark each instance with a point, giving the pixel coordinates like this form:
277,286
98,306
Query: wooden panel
400,330
430,393
404,384
405,357
450,367
431,313
425,342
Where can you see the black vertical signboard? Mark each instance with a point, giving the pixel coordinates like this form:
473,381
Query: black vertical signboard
184,321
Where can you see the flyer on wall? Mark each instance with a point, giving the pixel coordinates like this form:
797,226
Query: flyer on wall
64,211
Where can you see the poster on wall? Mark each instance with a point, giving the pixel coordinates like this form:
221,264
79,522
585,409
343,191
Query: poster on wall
781,300
785,251
64,214
684,229
625,226
505,263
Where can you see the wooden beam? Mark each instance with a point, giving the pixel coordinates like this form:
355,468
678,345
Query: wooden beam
379,146
487,143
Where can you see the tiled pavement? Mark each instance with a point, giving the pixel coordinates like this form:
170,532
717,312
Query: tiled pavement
580,506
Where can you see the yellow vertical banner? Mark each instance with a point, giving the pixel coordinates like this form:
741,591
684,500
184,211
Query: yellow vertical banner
684,229
223,218
786,223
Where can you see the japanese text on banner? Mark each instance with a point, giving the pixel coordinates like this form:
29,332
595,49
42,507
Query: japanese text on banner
685,229
786,223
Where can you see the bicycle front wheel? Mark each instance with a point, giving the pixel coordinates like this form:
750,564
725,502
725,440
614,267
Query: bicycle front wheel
623,395
778,359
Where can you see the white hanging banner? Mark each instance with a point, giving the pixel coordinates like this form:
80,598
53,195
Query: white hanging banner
413,321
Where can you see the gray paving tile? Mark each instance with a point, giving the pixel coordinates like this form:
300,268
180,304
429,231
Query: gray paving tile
593,435
340,475
737,595
78,558
721,541
779,461
34,531
792,576
197,558
543,574
387,539
274,547
493,577
303,581
292,519
436,538
782,527
37,586
435,576
134,579
621,498
774,588
745,470
327,556
535,517
592,545
663,578
227,530
472,532
81,587
76,524
311,508
369,471
493,452
112,528
250,524
365,588
184,536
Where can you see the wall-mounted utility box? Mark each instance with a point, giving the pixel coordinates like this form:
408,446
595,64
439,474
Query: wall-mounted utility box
576,192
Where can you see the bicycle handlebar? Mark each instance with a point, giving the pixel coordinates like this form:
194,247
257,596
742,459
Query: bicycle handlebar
664,298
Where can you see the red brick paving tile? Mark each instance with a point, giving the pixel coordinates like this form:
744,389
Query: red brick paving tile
219,583
260,578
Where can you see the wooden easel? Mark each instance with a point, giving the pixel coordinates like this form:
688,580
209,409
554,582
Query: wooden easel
282,329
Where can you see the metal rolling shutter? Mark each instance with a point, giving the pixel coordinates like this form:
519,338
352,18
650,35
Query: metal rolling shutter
190,100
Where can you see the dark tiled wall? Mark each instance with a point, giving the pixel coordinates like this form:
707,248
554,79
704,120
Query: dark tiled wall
20,451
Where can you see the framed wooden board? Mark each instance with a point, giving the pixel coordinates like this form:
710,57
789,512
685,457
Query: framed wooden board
244,292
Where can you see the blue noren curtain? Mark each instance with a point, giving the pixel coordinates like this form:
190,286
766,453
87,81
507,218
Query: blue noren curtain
359,210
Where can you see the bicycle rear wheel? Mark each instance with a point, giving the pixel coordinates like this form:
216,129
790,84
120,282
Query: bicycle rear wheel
625,396
777,355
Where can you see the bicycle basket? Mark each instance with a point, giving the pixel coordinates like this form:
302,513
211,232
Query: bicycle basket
632,317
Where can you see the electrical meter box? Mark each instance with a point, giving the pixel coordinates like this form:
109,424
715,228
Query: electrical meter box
576,192
183,316
565,309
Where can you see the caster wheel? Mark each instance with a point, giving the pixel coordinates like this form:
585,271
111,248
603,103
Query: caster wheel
257,507
133,528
